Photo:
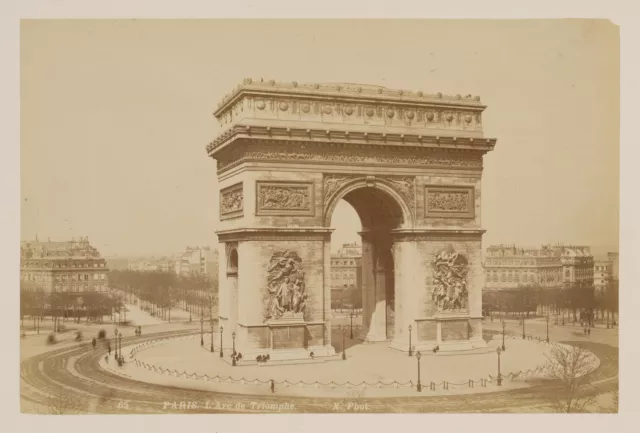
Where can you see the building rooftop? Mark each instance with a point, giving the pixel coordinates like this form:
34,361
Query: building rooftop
58,250
349,250
542,251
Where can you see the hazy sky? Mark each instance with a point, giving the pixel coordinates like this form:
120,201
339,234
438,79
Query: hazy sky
115,116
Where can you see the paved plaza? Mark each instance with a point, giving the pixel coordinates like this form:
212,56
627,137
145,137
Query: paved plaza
383,371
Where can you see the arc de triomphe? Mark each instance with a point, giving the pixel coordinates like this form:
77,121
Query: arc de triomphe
410,164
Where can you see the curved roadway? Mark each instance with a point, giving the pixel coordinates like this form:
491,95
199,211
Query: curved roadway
70,380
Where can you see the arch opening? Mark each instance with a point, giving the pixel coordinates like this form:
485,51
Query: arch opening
232,284
362,264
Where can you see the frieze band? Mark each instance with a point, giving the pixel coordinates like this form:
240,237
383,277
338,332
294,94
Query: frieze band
409,115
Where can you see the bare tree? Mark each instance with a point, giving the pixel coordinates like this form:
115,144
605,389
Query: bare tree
569,366
61,402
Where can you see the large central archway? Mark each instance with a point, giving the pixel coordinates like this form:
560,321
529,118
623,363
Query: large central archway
409,163
380,210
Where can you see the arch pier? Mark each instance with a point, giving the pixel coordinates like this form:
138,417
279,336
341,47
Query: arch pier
409,163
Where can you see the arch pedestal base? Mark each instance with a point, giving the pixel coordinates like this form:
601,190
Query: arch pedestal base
446,332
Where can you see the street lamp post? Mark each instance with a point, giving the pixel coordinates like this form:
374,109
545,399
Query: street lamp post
211,320
221,353
201,331
419,386
547,329
410,352
115,342
498,351
120,350
503,327
344,355
233,356
351,333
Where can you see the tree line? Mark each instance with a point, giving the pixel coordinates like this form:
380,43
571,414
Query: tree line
573,302
39,304
154,291
158,291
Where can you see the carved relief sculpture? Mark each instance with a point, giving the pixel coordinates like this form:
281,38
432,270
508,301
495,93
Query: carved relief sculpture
231,201
404,186
285,286
276,198
449,201
450,282
333,183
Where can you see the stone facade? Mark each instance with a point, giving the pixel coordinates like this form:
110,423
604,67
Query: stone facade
74,267
411,166
550,266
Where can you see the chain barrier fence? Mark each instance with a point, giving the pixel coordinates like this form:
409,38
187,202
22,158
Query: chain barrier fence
537,372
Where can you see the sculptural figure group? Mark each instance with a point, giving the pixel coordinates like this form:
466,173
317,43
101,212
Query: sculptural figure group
450,285
285,285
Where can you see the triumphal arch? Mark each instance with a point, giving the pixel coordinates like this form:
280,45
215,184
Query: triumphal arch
410,164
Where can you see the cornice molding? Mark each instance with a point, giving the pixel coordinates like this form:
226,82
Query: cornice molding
441,234
342,91
347,138
274,234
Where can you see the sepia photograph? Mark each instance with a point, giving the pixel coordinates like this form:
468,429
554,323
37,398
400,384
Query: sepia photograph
305,216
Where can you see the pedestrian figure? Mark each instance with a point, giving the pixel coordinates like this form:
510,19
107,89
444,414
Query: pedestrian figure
106,359
93,342
589,331
109,348
273,386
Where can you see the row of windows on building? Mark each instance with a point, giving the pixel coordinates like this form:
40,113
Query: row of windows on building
341,283
510,275
343,263
65,264
583,274
80,287
343,274
520,277
74,277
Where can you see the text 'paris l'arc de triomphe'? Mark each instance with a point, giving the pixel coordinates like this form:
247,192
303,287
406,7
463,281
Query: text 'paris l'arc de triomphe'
409,163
